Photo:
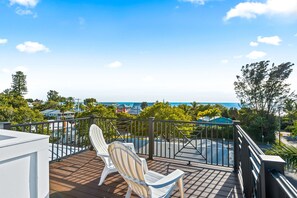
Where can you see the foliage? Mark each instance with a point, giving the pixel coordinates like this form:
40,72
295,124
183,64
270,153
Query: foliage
290,109
163,111
98,111
91,101
30,100
211,112
233,113
294,131
47,105
257,125
15,109
262,90
125,115
197,110
53,95
19,84
144,105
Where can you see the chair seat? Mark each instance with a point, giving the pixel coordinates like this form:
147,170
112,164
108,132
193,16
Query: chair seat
153,177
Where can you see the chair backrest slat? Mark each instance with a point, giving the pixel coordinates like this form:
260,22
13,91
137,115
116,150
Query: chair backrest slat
130,167
97,139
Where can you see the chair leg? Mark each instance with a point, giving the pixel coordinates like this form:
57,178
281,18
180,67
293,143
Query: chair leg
180,185
128,194
104,173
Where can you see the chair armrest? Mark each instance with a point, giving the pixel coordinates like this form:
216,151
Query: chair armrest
145,169
130,146
169,179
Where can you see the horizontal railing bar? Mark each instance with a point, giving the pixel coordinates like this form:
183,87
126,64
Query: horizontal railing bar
48,122
250,141
255,165
254,155
283,182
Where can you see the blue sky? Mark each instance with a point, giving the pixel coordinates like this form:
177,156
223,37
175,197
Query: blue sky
133,50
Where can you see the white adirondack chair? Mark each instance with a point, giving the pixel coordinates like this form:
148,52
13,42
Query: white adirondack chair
143,182
101,147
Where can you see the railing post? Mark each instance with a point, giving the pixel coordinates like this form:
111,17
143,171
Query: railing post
151,137
5,125
268,186
91,121
236,146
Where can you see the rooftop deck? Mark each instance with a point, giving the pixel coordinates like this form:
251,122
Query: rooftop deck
78,176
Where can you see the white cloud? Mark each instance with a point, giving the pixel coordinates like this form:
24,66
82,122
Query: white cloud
115,64
26,3
224,61
199,2
254,44
272,40
256,54
270,7
21,68
5,70
3,41
32,47
21,11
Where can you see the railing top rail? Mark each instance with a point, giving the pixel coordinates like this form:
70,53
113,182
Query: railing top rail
128,119
175,121
253,145
49,122
283,182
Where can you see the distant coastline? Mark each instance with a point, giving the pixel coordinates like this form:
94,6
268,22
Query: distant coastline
131,104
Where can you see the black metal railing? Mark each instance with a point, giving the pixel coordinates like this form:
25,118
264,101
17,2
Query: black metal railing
210,143
67,137
204,142
260,175
280,186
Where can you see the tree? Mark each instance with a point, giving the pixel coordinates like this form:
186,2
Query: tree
90,101
144,105
211,112
15,109
163,111
290,108
19,84
30,100
99,111
53,95
261,90
233,113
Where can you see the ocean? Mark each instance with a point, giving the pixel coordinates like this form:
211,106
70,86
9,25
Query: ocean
131,104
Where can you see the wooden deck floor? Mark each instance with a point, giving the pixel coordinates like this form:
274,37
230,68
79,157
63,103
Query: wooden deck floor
78,176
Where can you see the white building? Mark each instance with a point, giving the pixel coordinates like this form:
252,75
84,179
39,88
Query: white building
135,110
57,114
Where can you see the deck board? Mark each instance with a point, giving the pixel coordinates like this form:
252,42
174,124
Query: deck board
78,176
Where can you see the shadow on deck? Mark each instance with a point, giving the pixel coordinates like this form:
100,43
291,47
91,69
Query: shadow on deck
78,176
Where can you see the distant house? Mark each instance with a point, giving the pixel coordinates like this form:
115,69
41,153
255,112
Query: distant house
217,120
221,120
123,108
204,119
30,105
57,114
135,110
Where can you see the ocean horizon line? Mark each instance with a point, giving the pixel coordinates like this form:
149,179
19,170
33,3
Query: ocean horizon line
225,104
